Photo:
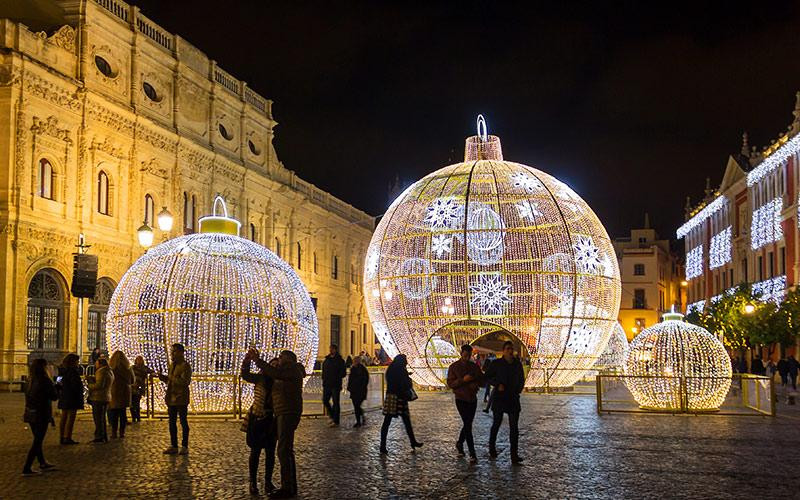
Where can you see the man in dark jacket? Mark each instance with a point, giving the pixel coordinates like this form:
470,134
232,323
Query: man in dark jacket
783,370
287,405
333,371
508,379
794,367
465,378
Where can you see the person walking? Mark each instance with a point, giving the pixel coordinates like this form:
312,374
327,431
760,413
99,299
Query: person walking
287,405
140,374
399,391
333,371
793,367
465,378
259,424
99,397
357,383
70,396
120,393
178,378
487,393
508,378
783,370
39,395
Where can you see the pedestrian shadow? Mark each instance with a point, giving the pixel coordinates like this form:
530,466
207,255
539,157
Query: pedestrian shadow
179,480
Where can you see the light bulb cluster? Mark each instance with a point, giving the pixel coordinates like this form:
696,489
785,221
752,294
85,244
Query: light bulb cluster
694,262
696,307
489,246
218,295
772,289
674,364
775,160
717,204
719,251
613,358
765,226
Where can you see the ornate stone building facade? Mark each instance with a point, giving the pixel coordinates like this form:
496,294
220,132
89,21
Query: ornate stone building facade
105,118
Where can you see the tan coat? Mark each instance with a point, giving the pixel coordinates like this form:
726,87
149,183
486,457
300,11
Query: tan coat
100,389
121,387
178,380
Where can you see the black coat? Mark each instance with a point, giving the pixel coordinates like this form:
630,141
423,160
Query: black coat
398,381
357,382
333,371
38,400
70,394
512,377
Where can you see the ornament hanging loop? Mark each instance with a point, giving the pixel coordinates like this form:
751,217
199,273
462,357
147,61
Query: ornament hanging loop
219,199
483,132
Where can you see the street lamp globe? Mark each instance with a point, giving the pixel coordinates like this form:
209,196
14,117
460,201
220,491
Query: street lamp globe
145,235
165,220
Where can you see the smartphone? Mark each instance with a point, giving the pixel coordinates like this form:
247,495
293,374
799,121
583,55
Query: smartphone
58,379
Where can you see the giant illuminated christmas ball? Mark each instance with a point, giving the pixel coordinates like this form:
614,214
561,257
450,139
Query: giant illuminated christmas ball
674,365
218,295
487,246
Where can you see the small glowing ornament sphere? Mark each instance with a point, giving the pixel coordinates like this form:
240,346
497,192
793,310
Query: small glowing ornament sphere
489,245
675,365
218,295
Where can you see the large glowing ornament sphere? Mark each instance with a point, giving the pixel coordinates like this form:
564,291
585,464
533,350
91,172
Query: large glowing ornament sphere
674,365
487,246
218,295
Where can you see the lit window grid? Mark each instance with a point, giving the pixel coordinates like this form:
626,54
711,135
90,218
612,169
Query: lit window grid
775,160
765,226
772,289
719,202
668,352
719,251
218,295
514,245
694,262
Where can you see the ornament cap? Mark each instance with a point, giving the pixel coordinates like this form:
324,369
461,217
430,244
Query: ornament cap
672,315
219,223
483,146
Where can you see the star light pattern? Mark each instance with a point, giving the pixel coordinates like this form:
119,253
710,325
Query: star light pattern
674,361
541,292
527,210
218,295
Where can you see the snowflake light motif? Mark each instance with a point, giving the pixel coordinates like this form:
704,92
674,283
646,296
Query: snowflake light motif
443,213
441,244
527,210
490,294
587,255
526,182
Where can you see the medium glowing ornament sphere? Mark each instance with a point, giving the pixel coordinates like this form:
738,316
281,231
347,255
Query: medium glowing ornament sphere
218,295
487,246
613,358
675,365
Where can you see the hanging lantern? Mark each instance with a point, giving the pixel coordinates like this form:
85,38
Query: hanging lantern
487,246
218,295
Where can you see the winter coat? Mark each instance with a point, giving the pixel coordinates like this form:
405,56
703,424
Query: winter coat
178,380
100,389
287,389
793,366
398,382
38,398
140,374
121,388
512,377
464,391
333,371
357,382
70,394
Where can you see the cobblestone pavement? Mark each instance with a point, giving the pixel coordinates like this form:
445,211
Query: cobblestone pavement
570,451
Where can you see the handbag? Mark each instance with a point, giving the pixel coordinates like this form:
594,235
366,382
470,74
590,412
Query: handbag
30,415
411,395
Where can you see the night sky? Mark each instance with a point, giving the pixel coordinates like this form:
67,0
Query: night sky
632,106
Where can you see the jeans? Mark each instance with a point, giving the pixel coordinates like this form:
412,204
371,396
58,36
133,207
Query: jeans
99,417
118,418
173,412
359,412
39,430
286,425
329,393
66,423
136,408
513,430
467,411
269,457
387,419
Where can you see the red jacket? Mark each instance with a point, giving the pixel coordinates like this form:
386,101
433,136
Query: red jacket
465,391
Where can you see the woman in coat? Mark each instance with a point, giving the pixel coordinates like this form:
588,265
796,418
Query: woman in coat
399,390
99,397
70,396
140,374
120,393
38,413
259,424
357,383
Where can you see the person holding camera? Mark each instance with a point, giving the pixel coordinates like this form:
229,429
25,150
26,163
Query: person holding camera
259,423
178,378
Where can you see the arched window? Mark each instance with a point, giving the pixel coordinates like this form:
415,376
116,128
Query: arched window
46,310
335,267
277,247
299,256
148,210
98,307
314,258
253,232
46,179
102,193
188,212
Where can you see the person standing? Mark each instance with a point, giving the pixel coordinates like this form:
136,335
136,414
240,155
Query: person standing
399,391
100,395
757,366
465,378
140,374
783,370
287,404
120,393
178,378
487,393
793,367
508,378
357,383
70,396
260,424
38,413
333,371
96,354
